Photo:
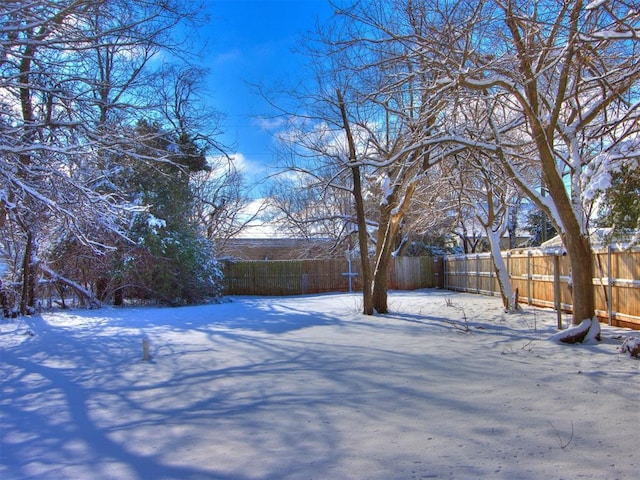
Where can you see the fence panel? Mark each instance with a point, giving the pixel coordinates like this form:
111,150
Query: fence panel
411,273
533,274
294,277
274,278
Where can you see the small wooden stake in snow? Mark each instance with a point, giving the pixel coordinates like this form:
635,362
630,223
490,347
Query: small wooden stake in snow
145,349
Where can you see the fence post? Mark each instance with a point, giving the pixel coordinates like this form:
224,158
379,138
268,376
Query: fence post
466,273
491,272
443,272
477,273
556,289
610,281
529,300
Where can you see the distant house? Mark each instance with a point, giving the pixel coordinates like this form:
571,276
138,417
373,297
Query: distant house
278,249
599,238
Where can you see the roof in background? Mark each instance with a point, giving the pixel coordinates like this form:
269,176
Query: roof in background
600,238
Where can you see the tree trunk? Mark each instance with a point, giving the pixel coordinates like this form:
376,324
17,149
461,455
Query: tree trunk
581,259
383,259
502,275
118,297
543,129
380,296
576,243
383,254
588,332
29,276
392,214
85,294
363,242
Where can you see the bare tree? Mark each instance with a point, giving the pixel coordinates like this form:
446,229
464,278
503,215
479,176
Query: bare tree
491,196
308,204
486,192
429,217
390,106
569,70
221,202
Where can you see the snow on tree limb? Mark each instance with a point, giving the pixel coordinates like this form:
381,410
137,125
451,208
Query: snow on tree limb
89,297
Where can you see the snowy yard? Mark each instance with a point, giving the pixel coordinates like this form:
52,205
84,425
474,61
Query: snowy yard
447,386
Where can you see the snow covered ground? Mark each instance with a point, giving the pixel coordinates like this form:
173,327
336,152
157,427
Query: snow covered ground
447,386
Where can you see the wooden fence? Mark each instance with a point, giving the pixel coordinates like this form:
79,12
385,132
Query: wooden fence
543,279
295,277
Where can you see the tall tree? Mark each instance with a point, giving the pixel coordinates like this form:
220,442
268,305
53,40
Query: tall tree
390,110
492,197
75,76
568,71
327,150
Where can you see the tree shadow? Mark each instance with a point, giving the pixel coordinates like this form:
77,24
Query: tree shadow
57,383
257,389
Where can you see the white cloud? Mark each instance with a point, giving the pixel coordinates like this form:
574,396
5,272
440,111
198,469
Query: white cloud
239,161
254,207
254,173
262,226
229,56
242,163
269,124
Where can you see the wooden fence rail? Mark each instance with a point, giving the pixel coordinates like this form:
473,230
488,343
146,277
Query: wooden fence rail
543,279
295,277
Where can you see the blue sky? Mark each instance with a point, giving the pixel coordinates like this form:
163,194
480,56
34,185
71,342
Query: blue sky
252,42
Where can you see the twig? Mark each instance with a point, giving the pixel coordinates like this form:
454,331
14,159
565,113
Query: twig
527,346
560,442
463,326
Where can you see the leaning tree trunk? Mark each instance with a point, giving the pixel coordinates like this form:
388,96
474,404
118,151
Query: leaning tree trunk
363,240
383,259
502,275
380,277
363,243
89,298
575,241
29,276
391,218
383,256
